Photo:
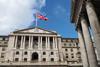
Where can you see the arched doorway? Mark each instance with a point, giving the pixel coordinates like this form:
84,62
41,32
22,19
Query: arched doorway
35,56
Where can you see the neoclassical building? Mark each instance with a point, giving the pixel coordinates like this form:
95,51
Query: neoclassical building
39,47
85,15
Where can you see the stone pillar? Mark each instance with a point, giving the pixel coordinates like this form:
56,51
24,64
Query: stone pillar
82,48
24,42
31,42
89,45
41,43
54,43
21,42
95,25
46,43
15,42
39,47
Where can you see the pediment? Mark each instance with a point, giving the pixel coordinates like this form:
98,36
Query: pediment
34,30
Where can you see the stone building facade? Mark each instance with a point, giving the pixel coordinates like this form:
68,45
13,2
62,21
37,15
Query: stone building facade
36,46
85,14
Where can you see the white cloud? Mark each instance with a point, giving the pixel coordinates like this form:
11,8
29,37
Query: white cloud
17,14
58,10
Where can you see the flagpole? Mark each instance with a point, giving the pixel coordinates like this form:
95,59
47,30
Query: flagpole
36,20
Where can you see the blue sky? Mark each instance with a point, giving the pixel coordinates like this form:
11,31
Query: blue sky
18,14
58,13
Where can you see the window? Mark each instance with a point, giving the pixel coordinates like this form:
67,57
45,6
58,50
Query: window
17,53
3,49
64,44
72,56
44,53
71,50
3,38
44,59
73,62
16,59
70,45
52,53
5,42
25,59
52,59
66,56
73,44
25,53
2,55
66,50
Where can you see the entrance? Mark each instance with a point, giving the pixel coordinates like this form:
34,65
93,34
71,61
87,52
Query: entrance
34,56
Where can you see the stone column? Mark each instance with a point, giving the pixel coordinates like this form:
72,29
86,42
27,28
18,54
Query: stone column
54,43
95,25
82,48
39,47
31,42
46,43
89,45
41,43
15,42
21,42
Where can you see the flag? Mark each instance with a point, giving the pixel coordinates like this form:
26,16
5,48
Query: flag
41,17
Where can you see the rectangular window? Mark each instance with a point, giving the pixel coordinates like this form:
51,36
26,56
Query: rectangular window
44,59
71,50
52,59
44,53
3,49
25,59
66,50
52,53
16,59
2,55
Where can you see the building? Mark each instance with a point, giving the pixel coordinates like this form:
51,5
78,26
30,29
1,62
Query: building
39,47
85,15
3,47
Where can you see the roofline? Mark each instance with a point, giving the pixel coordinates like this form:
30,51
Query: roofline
4,36
33,28
69,38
